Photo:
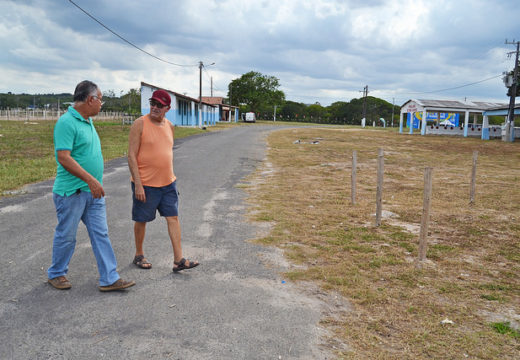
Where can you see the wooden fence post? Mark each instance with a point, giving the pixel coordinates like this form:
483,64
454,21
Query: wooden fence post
425,218
353,178
473,178
379,193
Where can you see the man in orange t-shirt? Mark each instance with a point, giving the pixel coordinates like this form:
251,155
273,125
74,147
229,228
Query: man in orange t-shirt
150,159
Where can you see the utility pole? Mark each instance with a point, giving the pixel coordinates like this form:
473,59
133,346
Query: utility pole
510,125
212,86
274,113
365,94
230,108
393,101
200,93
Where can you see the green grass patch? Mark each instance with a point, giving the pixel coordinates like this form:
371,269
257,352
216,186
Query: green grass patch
408,246
264,216
495,287
506,329
295,275
401,236
438,251
490,297
268,240
451,288
360,248
512,256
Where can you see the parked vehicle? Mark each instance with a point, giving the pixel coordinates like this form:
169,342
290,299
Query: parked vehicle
250,117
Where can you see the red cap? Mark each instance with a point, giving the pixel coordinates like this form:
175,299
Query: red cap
162,96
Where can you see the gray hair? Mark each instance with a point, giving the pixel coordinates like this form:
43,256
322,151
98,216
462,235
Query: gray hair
85,89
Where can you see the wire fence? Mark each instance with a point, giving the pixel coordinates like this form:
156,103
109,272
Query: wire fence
42,114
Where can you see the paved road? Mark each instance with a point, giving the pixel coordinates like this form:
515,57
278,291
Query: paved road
233,306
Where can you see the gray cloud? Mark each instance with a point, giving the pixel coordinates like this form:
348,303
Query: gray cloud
321,50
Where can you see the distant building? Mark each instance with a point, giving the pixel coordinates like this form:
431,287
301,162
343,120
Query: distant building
226,112
184,110
444,117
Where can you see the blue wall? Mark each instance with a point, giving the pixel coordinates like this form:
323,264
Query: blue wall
183,112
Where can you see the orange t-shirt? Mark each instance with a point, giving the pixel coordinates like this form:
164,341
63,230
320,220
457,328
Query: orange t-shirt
155,155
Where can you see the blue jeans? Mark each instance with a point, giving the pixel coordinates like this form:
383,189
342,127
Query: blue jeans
70,210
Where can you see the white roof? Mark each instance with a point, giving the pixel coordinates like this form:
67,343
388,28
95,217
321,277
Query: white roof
452,105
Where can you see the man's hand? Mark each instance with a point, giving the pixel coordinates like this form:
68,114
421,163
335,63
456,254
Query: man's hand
139,192
96,189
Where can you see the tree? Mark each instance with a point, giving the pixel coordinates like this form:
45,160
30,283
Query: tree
292,110
132,101
315,110
257,91
340,110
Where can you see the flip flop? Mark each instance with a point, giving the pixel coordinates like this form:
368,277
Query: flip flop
140,260
181,265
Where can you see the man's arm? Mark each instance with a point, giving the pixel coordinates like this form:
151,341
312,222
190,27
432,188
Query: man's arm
134,143
173,137
75,169
173,131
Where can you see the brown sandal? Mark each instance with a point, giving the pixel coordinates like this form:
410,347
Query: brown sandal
181,265
141,262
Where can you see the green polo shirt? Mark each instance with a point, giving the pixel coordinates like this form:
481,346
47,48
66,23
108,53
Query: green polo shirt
72,132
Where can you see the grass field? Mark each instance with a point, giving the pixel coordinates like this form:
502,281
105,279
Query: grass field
27,150
471,276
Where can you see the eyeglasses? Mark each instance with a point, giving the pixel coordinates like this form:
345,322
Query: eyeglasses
97,97
157,104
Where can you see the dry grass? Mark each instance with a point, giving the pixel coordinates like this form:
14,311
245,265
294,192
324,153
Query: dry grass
473,268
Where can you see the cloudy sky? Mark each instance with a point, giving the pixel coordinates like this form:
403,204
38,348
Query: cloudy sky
320,50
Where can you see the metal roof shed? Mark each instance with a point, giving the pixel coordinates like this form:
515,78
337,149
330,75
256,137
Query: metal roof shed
435,106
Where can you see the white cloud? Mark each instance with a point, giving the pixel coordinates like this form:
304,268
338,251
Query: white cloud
322,50
396,24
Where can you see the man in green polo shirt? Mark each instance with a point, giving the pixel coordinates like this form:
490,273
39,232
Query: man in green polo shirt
78,191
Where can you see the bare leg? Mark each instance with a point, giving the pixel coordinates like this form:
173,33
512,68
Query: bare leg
174,230
139,231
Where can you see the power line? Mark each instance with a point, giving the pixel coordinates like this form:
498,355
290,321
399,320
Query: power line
125,40
407,93
207,72
209,81
456,87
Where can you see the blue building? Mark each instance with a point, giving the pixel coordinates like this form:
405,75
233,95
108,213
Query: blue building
449,117
184,110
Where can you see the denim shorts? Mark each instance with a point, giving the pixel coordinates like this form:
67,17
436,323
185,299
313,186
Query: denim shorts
165,199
